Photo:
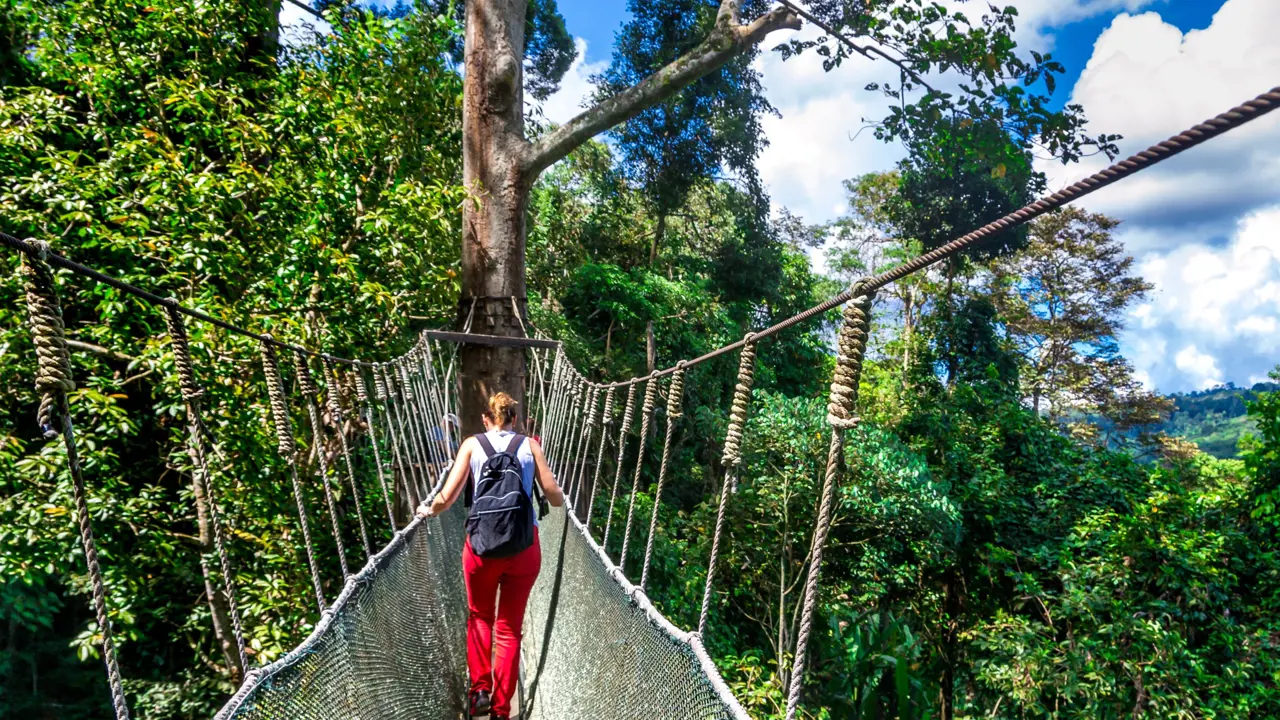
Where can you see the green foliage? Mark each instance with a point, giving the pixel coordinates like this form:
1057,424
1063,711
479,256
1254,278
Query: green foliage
714,123
301,190
999,88
1216,420
1062,299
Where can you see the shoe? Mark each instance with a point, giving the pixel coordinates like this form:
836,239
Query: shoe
481,703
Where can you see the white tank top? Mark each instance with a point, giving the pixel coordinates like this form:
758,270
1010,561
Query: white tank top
500,439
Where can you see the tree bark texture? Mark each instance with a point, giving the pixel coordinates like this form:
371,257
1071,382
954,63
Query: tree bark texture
493,220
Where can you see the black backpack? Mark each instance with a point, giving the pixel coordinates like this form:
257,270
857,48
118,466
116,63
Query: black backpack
501,520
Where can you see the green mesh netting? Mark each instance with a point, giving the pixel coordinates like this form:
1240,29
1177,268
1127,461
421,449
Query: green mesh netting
393,648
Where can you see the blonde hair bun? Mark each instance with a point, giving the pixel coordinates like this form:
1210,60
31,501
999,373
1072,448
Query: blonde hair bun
502,408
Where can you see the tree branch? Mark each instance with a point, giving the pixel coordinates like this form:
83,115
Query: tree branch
98,349
725,42
866,51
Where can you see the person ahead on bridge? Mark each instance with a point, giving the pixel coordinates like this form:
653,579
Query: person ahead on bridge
501,549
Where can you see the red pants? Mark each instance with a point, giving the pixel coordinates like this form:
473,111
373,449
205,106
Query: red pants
485,576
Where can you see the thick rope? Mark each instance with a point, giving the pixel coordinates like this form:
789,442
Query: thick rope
366,405
604,421
53,382
840,415
289,451
192,394
675,397
646,414
731,459
335,411
307,386
627,414
53,362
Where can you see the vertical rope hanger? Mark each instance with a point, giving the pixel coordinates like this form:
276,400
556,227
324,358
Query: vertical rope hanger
560,430
335,410
404,450
362,396
433,390
414,420
551,412
592,419
394,430
627,416
560,388
307,386
53,382
202,485
606,419
289,451
731,459
646,414
583,420
435,446
675,397
840,416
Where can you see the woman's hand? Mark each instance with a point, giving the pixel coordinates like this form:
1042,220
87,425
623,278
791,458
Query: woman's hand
435,507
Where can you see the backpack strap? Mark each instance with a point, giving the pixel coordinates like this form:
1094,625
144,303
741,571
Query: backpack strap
484,443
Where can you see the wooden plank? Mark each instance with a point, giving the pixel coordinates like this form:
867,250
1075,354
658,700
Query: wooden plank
474,339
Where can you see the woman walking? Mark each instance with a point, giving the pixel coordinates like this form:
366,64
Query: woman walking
501,552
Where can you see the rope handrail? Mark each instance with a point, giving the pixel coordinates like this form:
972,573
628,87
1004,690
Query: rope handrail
31,249
1175,145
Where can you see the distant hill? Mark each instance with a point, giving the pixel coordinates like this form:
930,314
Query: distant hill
1214,419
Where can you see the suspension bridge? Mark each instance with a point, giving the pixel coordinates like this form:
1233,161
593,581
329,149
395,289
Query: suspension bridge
391,643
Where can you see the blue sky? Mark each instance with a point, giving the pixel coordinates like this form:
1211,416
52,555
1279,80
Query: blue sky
1204,228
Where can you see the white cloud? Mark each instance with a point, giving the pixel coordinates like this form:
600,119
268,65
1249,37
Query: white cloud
1147,81
1037,18
575,87
817,142
1219,305
1204,226
1200,366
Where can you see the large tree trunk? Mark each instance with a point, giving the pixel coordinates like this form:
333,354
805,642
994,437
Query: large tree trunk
493,221
499,166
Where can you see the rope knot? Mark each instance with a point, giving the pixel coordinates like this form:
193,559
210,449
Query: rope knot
379,381
675,394
179,340
732,456
362,390
306,384
335,385
53,362
277,399
628,415
606,414
853,345
407,389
